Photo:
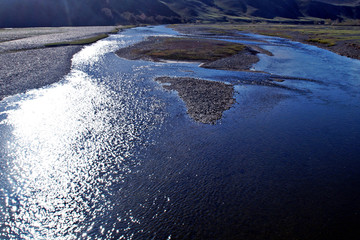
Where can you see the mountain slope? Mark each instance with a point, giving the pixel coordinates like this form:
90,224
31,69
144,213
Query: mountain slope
20,13
291,9
27,13
332,9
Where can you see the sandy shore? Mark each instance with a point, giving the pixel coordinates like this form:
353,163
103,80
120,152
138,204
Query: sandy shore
25,61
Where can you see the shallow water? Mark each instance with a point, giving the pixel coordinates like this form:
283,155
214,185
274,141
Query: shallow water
108,154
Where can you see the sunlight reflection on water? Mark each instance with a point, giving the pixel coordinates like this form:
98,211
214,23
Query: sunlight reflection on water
52,175
91,54
70,144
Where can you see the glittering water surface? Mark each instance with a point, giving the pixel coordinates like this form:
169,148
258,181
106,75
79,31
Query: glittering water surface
108,154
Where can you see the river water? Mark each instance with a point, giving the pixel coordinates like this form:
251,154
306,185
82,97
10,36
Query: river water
107,153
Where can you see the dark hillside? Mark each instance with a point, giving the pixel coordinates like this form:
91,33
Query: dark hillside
275,8
30,13
326,10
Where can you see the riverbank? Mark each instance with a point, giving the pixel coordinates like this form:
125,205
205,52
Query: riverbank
342,40
36,57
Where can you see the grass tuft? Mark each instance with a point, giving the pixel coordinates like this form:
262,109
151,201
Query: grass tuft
328,42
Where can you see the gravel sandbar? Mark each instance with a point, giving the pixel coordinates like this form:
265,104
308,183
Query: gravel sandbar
205,100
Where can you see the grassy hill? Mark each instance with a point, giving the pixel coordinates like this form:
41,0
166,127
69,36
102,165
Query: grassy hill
20,13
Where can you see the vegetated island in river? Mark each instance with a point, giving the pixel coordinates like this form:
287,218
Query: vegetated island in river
210,53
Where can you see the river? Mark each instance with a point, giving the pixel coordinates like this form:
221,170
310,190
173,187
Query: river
107,153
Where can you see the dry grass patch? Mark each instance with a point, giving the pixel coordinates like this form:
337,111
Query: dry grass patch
189,49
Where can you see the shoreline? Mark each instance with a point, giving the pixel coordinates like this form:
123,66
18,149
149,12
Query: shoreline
35,68
37,57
